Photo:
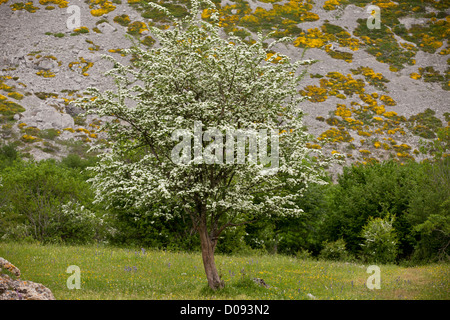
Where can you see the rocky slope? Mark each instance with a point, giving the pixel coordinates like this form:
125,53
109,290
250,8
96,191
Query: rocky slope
373,94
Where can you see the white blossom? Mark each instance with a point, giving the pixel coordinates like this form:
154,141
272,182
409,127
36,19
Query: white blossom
197,75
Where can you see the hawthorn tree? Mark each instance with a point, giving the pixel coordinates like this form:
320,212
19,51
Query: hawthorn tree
196,77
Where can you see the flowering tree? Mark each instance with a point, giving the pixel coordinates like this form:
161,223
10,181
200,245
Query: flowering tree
194,79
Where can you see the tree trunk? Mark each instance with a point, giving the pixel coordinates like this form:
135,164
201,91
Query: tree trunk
208,246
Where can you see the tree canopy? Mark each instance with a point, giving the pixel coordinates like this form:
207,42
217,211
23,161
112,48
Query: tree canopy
207,88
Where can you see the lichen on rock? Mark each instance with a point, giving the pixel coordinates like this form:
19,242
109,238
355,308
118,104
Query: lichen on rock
11,289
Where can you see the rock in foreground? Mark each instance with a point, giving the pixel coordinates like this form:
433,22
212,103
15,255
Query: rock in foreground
20,290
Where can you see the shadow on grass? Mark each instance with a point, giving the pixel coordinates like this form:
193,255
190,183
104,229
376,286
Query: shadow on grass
240,288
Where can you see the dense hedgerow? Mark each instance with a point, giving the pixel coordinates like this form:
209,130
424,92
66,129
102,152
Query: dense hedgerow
383,212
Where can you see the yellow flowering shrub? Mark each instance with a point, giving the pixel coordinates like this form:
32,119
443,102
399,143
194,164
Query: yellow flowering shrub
415,76
314,93
390,114
445,51
314,38
79,30
101,7
375,79
15,95
82,64
379,109
29,6
343,111
388,100
336,135
313,146
136,27
59,3
123,20
45,73
83,130
332,4
29,138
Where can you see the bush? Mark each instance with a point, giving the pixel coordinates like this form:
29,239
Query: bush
429,212
8,154
33,198
380,240
373,190
78,224
145,227
334,251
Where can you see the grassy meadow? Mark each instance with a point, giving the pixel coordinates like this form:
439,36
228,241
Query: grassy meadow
120,273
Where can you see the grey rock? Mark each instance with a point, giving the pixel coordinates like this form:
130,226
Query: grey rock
106,28
73,111
45,64
50,114
11,289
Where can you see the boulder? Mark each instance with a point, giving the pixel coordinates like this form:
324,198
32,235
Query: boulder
106,28
11,289
50,114
46,64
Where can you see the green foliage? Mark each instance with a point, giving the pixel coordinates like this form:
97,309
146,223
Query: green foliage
303,233
8,154
145,227
425,124
429,211
50,134
413,192
335,250
33,200
123,20
373,190
380,240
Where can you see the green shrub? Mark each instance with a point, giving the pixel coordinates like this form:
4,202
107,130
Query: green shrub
32,198
334,251
8,154
429,212
380,240
372,190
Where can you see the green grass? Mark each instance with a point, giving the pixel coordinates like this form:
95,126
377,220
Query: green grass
117,273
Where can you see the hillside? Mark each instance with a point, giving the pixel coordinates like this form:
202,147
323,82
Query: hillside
373,94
